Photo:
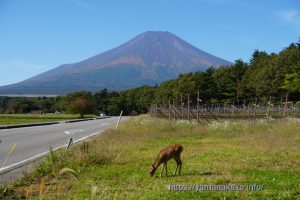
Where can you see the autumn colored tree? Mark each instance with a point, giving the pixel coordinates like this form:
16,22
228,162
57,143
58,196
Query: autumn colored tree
80,103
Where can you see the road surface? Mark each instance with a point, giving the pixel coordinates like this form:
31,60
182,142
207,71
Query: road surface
33,142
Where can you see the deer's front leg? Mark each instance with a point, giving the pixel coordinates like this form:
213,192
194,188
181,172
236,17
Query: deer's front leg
175,169
162,170
166,170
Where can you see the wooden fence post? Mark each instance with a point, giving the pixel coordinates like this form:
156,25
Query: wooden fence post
152,111
189,107
244,108
255,105
181,106
269,108
293,109
198,99
119,119
169,109
285,105
174,109
69,143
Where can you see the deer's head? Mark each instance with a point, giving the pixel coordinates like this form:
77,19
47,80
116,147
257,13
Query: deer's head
152,170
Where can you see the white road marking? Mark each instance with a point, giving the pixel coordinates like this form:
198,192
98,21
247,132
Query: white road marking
105,124
28,160
72,131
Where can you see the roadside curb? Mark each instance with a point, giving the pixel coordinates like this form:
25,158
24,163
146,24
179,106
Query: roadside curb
86,119
48,123
27,125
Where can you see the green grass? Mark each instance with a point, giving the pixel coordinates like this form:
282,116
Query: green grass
117,162
8,119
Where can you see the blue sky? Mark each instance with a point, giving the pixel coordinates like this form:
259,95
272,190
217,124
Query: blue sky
36,36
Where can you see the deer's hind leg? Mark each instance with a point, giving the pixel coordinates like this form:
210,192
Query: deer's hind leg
178,164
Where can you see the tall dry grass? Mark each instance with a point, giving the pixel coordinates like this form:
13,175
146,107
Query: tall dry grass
116,163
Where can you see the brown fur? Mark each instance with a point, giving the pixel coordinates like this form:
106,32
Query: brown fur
172,151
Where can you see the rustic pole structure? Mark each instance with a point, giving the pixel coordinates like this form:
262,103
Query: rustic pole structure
119,119
255,105
169,109
244,108
152,110
269,108
174,109
198,99
285,105
189,107
69,143
293,111
181,99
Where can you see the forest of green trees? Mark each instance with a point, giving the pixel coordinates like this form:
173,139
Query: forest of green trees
265,75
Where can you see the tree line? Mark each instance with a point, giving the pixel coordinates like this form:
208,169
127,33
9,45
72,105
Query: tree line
265,75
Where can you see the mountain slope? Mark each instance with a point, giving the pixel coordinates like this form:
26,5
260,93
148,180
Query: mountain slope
149,58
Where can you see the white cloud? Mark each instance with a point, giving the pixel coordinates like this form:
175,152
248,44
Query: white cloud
290,16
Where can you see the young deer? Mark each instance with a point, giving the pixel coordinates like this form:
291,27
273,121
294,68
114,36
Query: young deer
172,151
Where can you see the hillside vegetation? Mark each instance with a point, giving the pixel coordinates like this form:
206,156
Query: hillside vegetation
115,164
265,75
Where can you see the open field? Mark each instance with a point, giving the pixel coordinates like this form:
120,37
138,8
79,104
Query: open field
7,119
115,165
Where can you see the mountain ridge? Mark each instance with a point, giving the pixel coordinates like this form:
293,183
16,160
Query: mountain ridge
149,58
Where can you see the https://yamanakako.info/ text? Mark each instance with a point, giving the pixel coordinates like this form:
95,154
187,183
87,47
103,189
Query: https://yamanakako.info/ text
208,187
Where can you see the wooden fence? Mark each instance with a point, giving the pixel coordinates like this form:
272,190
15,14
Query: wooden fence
216,112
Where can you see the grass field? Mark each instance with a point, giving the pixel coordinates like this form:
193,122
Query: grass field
115,165
7,119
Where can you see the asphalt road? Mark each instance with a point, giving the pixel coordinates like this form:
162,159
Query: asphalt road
33,142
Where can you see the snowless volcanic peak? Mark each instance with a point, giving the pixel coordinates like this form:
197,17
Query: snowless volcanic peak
148,59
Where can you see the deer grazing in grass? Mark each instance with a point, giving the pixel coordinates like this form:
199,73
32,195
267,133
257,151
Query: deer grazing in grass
172,151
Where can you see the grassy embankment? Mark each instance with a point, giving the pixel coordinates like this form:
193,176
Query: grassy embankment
115,164
7,119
